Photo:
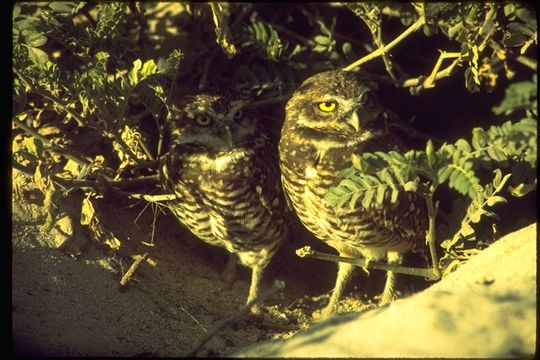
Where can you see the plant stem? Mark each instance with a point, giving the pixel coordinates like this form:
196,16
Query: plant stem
380,51
278,285
121,183
430,235
49,144
306,251
528,62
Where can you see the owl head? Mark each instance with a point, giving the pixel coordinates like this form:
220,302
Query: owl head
213,121
335,102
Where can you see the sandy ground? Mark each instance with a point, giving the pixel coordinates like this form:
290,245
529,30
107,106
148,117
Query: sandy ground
69,302
486,309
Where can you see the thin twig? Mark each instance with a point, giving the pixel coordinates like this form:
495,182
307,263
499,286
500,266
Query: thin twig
138,260
278,285
428,83
193,318
121,183
419,83
154,198
414,27
528,62
306,251
430,235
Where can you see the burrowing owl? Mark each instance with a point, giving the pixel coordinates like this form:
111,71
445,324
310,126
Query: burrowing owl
331,116
224,172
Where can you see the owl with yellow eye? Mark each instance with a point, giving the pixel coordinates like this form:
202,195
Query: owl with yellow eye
224,171
330,117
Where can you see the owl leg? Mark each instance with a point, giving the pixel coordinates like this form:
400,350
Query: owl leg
344,273
229,274
389,295
254,288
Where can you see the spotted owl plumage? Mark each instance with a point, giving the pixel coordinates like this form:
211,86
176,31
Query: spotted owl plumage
224,172
331,116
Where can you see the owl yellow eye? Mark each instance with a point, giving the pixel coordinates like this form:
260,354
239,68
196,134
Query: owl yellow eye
327,106
203,120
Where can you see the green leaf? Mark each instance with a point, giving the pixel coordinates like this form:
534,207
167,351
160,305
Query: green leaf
430,153
496,199
395,194
349,184
35,39
346,48
496,154
509,9
444,174
64,8
476,216
16,11
498,177
354,199
24,24
368,197
133,75
518,28
342,201
463,145
499,187
37,56
526,126
381,192
149,68
34,146
515,39
480,138
521,189
323,40
357,162
466,230
87,211
527,17
470,80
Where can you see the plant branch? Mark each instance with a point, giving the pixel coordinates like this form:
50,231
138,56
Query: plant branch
48,143
138,259
380,51
431,235
421,82
528,62
121,183
306,251
278,285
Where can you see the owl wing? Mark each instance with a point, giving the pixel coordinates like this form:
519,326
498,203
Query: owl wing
268,181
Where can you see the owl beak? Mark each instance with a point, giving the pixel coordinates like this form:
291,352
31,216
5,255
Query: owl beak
228,136
354,121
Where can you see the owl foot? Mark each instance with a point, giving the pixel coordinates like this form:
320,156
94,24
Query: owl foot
325,313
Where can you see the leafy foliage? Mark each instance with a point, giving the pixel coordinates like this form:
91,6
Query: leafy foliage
379,177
